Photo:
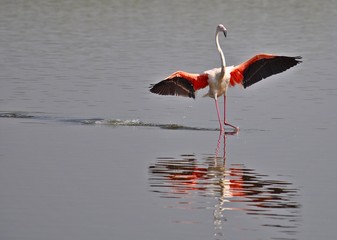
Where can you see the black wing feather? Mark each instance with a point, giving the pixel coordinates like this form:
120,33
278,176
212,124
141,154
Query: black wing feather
266,67
176,86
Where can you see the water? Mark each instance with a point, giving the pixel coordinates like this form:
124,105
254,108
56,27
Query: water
87,152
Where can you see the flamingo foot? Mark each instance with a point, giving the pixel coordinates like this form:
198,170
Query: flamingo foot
222,129
236,129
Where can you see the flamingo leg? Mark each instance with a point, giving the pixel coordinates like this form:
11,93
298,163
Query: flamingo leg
218,112
224,114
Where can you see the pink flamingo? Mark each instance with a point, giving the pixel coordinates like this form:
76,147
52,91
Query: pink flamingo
218,80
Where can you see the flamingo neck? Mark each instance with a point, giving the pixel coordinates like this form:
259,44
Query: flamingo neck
223,61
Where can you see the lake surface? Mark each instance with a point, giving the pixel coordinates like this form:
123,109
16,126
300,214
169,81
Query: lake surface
87,152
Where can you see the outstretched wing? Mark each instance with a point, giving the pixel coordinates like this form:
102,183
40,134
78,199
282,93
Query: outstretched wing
176,86
261,66
180,84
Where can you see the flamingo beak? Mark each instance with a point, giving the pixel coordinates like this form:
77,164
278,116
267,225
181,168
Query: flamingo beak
225,32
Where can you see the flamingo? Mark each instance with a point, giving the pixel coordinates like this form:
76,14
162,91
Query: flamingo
218,80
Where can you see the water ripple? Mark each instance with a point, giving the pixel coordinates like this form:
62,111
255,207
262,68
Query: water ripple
100,121
235,188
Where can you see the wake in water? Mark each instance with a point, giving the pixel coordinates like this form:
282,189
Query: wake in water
100,121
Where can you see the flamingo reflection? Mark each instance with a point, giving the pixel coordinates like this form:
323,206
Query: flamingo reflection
234,188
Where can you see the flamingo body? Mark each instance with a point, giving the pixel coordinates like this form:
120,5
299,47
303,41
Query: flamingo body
218,82
246,74
220,79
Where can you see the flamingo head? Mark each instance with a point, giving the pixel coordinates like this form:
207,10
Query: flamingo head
221,28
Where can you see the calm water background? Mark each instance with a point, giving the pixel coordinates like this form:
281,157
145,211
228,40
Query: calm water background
85,152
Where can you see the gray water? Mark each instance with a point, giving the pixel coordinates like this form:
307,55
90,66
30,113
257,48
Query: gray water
87,152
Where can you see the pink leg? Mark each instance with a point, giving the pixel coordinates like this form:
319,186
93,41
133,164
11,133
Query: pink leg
224,113
217,111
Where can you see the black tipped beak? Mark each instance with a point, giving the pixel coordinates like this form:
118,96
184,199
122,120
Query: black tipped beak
225,33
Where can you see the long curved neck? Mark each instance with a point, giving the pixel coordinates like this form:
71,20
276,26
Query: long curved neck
223,61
